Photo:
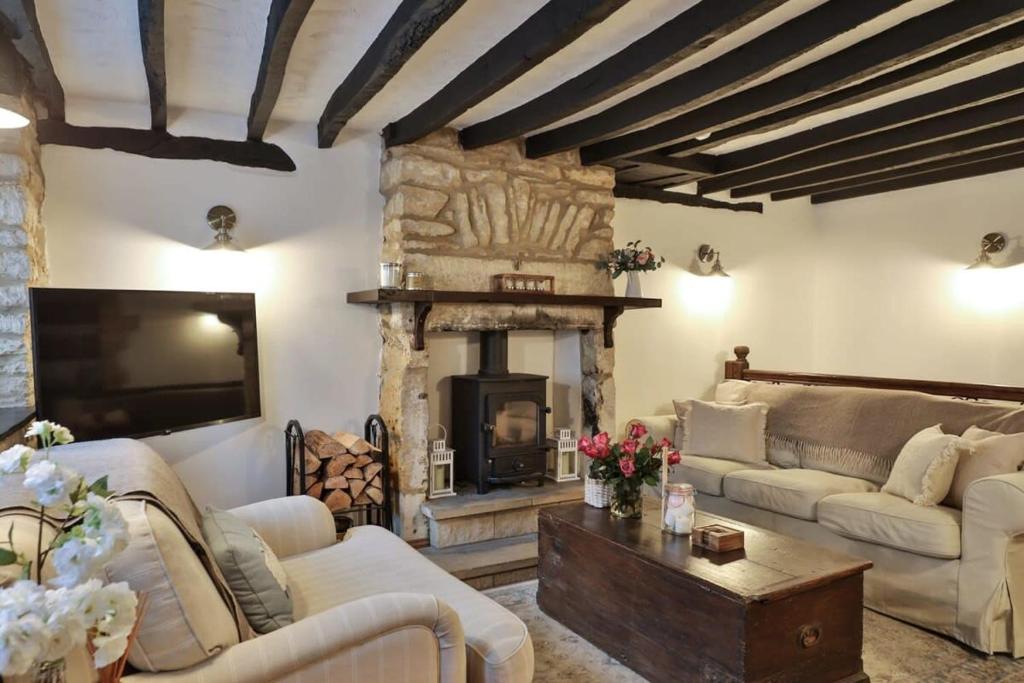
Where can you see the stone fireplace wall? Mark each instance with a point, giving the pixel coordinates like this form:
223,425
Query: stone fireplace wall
460,217
22,259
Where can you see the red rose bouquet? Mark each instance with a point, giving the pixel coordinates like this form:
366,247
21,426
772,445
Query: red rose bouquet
628,465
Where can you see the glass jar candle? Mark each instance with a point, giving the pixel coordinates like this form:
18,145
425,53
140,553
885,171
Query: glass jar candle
678,508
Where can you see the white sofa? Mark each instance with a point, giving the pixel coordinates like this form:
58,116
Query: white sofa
957,572
369,608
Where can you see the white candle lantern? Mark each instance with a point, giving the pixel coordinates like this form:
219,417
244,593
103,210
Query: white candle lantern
563,461
441,482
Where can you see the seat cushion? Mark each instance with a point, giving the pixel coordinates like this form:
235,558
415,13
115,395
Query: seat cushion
372,560
889,520
706,473
793,492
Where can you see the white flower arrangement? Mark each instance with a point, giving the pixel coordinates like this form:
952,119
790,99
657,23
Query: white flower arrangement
39,626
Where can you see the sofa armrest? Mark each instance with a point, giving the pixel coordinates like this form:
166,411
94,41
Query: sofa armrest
658,426
290,525
992,561
377,639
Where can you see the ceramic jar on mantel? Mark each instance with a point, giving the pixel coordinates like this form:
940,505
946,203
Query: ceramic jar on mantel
633,288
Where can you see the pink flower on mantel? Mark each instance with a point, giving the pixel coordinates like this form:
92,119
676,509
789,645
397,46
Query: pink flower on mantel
673,458
643,257
628,467
637,430
630,446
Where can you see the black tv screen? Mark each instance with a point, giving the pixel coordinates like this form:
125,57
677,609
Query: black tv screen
112,363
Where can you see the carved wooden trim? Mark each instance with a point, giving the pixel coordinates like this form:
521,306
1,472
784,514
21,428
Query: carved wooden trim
740,369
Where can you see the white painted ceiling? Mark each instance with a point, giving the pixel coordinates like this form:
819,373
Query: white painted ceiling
213,49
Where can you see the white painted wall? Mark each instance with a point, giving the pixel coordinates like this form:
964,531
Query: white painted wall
116,220
872,286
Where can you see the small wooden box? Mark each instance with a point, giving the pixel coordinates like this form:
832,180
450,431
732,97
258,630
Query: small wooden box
522,282
718,538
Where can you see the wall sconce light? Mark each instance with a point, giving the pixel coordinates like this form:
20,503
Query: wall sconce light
706,254
992,243
12,86
221,220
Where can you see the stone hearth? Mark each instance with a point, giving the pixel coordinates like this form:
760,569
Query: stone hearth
460,217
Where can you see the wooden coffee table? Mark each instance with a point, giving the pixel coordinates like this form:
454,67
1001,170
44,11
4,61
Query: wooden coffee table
780,610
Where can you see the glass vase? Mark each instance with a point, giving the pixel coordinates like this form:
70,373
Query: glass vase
50,672
628,504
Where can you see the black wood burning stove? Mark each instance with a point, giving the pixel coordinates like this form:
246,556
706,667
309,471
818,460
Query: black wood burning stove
499,420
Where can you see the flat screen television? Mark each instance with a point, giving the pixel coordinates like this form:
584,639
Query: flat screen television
112,363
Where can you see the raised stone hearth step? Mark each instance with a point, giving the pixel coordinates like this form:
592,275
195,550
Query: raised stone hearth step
489,563
502,513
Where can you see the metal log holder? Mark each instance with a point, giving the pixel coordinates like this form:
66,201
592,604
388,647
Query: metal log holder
375,432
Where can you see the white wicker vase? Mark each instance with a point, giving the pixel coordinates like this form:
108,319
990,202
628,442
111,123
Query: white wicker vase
597,493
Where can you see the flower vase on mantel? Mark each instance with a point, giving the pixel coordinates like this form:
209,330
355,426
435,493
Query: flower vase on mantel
633,288
632,260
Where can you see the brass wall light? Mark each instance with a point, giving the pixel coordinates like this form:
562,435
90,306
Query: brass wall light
706,254
992,243
12,86
221,220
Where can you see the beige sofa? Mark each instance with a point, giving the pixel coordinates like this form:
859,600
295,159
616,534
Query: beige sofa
957,572
369,608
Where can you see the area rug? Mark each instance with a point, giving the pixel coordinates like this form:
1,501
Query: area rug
894,652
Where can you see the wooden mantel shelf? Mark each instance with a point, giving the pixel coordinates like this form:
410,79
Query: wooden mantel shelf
424,299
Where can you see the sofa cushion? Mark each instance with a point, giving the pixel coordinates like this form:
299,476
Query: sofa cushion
186,621
924,469
372,560
892,521
993,453
251,569
722,431
790,492
706,473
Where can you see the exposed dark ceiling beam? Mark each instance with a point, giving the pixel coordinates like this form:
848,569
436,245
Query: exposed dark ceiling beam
1007,163
666,197
952,98
159,144
407,30
908,40
905,171
715,78
945,125
941,149
547,31
966,53
647,174
675,40
151,33
28,39
283,22
701,164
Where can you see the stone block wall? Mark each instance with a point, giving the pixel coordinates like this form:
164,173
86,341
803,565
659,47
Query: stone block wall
22,259
460,217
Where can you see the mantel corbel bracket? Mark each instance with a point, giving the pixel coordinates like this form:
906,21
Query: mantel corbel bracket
611,316
420,313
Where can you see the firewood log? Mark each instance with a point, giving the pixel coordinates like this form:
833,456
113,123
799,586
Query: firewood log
362,499
363,460
356,487
354,443
315,490
375,494
376,482
337,465
336,483
338,500
371,470
322,445
353,473
312,462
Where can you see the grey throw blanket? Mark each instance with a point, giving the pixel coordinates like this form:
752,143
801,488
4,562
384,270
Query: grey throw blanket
136,472
859,432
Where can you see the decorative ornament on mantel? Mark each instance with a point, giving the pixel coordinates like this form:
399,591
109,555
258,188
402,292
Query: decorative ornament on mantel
632,260
441,483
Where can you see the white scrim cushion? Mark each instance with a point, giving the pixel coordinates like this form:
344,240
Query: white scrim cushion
734,392
994,453
723,431
924,469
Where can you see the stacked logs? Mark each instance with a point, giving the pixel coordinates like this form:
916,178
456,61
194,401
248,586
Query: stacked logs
341,470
